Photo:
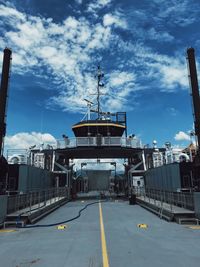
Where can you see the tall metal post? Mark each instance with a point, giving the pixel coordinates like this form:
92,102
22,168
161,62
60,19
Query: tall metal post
100,75
194,92
3,94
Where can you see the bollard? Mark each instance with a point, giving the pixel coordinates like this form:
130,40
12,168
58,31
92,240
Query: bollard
132,199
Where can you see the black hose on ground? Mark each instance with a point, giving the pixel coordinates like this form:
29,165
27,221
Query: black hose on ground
66,221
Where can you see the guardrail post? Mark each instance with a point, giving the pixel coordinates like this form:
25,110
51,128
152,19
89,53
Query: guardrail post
157,199
33,200
149,194
30,201
181,199
16,203
39,200
184,197
171,202
160,198
192,200
45,197
50,196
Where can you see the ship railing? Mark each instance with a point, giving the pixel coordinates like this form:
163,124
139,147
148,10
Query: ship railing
35,199
98,141
158,197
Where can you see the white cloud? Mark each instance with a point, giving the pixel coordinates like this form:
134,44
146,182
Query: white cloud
172,111
116,20
115,104
100,38
66,49
168,72
70,49
118,78
11,13
182,136
181,13
25,140
104,2
154,34
95,5
160,20
47,52
79,1
172,72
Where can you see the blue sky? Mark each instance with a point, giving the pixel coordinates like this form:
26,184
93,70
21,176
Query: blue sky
140,45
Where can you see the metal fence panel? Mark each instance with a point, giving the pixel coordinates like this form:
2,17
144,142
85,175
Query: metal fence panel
3,208
166,177
32,178
197,203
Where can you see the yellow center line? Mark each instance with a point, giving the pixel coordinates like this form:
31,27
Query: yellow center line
7,231
103,239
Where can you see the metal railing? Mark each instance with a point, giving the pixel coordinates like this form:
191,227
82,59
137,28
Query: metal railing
96,141
179,199
39,198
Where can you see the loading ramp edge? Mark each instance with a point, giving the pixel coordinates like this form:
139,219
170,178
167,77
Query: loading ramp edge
57,205
156,210
190,220
36,216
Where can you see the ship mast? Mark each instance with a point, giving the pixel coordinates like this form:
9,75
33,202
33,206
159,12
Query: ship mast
4,94
193,79
100,75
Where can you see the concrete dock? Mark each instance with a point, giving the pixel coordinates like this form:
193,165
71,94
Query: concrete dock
106,234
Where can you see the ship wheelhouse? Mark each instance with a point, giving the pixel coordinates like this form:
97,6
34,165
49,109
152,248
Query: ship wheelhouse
98,127
106,124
